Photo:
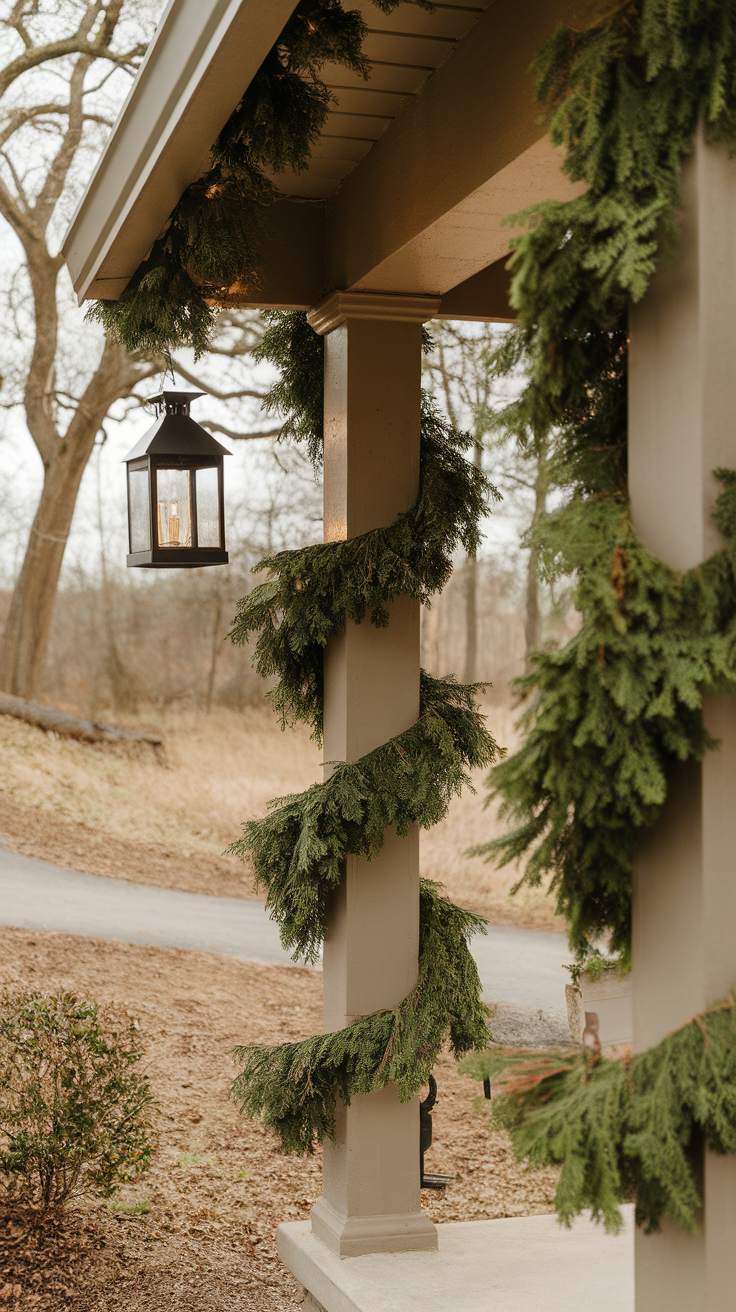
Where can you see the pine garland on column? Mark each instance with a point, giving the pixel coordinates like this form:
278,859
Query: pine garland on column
208,256
297,850
609,716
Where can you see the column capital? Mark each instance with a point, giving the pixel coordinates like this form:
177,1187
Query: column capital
336,307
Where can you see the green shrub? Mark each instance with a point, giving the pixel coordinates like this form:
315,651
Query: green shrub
74,1111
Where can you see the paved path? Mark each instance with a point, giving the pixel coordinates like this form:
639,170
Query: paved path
518,966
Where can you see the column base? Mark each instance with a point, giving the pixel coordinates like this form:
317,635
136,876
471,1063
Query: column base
352,1236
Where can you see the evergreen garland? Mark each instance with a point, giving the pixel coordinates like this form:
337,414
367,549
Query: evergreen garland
210,249
208,253
293,1087
310,594
610,715
297,397
622,1129
624,99
298,850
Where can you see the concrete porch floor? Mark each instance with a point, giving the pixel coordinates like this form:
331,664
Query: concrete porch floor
517,1264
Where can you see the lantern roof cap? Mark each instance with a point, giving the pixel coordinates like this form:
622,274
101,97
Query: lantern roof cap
175,433
172,400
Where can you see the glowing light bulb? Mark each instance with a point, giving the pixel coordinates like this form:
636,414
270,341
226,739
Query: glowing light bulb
174,523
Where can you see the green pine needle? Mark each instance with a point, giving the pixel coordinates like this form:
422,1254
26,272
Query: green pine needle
293,1087
298,849
313,592
210,250
611,714
622,1129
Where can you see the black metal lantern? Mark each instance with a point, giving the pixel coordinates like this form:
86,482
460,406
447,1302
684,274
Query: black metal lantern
176,514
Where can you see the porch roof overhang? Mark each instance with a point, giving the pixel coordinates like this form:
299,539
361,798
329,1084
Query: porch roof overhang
408,187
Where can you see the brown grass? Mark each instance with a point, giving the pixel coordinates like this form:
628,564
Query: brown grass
166,820
217,1187
138,814
216,770
470,881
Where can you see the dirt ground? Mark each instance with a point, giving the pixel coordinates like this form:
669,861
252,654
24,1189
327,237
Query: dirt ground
166,817
197,1233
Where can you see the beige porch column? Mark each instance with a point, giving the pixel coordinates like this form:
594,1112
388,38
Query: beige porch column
371,1200
682,403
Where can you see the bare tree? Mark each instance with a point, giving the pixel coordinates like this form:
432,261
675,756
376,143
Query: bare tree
69,69
457,371
538,485
49,89
460,373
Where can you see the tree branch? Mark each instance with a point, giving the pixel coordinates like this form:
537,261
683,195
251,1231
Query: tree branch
214,427
17,118
24,205
77,44
32,57
19,219
16,21
92,91
213,391
52,188
114,378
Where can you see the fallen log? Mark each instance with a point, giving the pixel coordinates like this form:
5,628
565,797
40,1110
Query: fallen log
71,726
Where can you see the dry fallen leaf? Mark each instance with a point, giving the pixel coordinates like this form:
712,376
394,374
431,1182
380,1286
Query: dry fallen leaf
217,1187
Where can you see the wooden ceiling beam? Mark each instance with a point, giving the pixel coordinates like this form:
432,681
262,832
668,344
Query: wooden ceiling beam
425,209
291,275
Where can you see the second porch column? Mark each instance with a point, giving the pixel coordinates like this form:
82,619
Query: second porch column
682,412
370,1194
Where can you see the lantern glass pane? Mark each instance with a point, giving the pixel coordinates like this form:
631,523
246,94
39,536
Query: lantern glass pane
140,518
174,507
208,508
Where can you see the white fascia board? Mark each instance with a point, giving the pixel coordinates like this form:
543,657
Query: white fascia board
201,60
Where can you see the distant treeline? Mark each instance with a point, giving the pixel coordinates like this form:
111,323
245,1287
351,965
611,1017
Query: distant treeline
160,638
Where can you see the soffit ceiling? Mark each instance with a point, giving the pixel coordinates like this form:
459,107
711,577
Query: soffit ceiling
423,212
404,48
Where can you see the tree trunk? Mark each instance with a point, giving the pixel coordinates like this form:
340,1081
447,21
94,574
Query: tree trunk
71,726
471,619
29,622
533,618
471,596
29,214
215,649
65,458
